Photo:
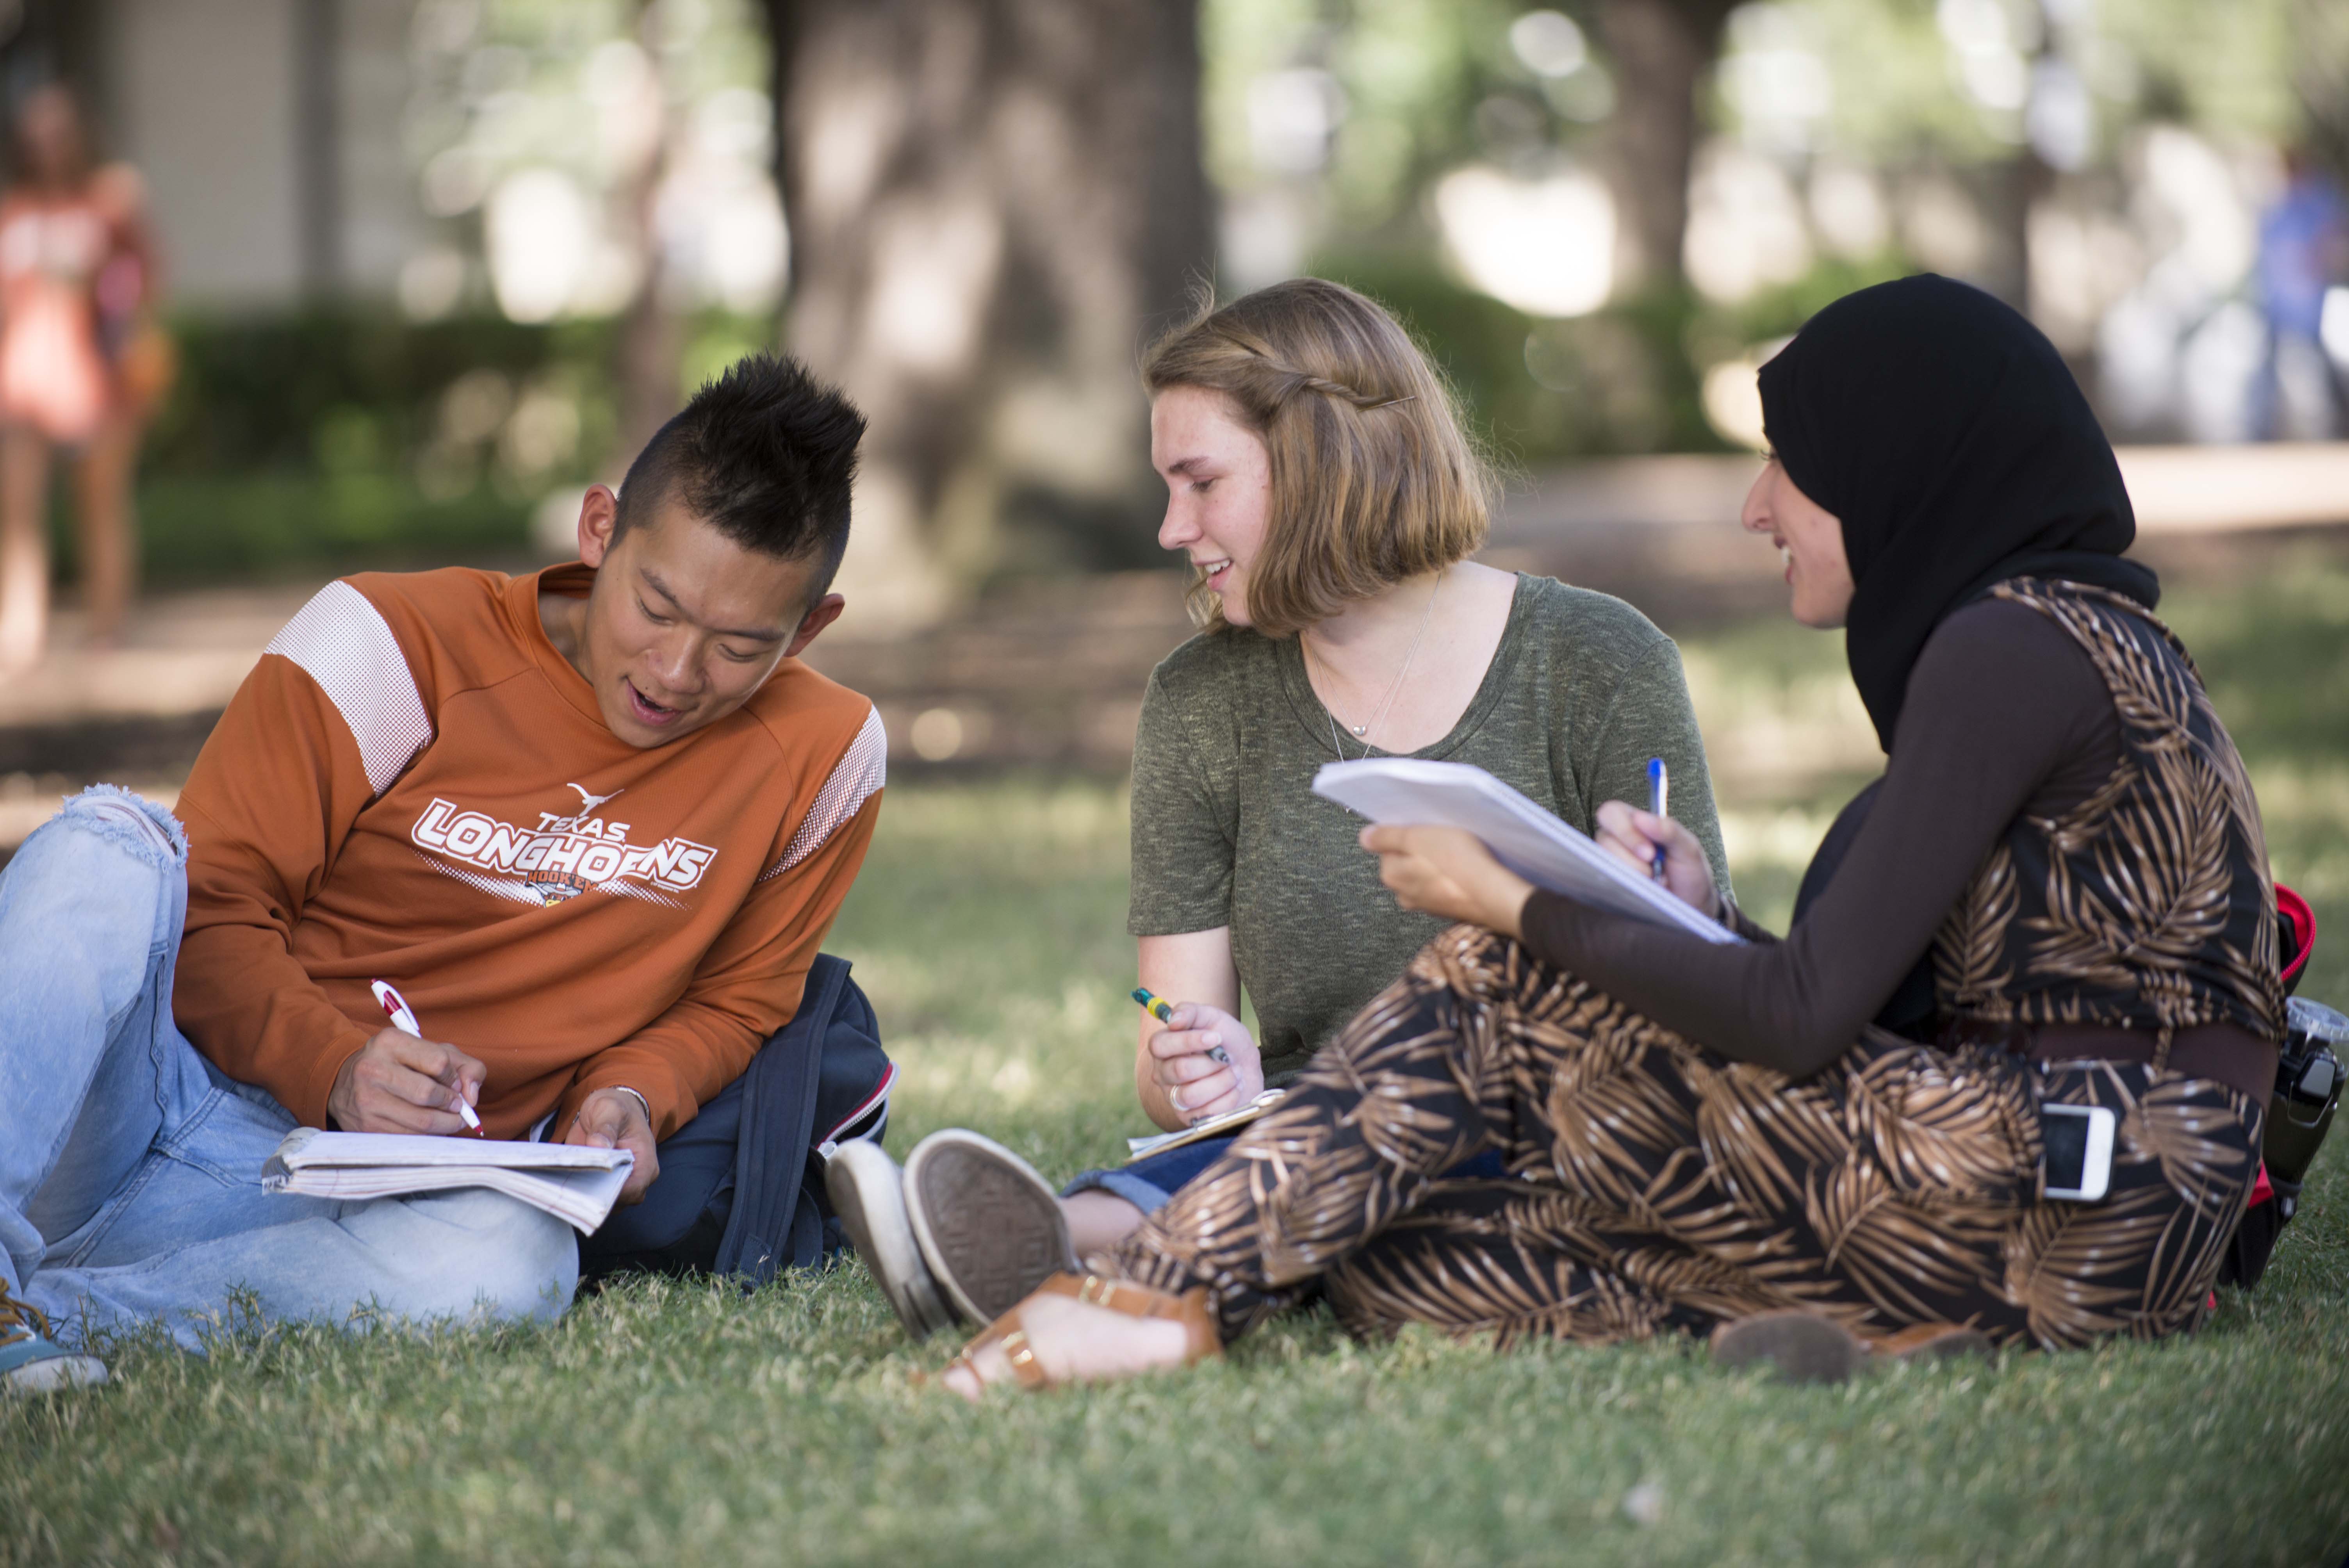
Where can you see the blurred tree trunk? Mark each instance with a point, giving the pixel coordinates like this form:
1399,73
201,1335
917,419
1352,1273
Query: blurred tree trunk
318,117
993,205
2319,31
652,338
1661,50
2016,186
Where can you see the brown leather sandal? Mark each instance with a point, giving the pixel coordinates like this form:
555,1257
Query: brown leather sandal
1189,1309
1927,1342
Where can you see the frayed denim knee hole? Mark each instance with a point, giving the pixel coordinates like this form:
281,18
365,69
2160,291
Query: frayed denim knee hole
132,823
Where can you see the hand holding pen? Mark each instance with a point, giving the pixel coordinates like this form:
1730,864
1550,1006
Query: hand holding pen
1160,1008
1658,806
403,1018
1203,1061
400,1082
1662,849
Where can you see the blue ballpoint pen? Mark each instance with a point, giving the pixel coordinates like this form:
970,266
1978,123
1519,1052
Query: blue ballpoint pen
1656,807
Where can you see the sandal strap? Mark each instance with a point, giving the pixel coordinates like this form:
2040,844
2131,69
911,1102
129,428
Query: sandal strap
1189,1309
1927,1338
1121,1296
1012,1336
1026,1370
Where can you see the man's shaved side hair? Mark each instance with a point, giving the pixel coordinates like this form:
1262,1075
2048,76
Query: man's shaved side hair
765,454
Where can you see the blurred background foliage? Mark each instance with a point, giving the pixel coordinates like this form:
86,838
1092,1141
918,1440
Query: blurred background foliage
336,436
599,193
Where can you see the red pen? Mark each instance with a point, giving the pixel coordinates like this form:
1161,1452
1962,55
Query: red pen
395,1008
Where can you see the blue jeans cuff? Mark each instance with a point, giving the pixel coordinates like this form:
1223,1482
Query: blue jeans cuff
1146,1196
1149,1182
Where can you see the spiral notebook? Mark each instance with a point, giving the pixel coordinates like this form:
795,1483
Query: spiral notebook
575,1184
1530,841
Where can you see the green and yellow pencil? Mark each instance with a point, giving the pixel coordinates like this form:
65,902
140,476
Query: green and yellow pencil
1158,1007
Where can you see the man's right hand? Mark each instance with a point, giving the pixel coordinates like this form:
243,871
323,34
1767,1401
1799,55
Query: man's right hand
397,1083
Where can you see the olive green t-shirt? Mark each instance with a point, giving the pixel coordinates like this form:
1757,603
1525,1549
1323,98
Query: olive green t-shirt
1582,690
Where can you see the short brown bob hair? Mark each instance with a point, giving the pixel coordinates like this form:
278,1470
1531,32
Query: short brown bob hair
1373,479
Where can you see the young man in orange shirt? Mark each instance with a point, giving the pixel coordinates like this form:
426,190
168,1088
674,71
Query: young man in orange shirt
592,822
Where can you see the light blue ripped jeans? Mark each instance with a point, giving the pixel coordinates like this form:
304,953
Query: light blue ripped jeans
130,1167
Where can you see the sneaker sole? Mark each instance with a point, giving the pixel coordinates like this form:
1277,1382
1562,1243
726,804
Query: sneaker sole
990,1227
868,1195
54,1373
1800,1346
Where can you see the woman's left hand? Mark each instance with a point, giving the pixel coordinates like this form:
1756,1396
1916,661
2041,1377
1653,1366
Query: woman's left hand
1448,872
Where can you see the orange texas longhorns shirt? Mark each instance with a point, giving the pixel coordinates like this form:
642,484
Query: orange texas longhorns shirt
414,786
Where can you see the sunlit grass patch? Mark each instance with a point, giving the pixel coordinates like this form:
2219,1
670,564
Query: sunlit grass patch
691,1423
989,926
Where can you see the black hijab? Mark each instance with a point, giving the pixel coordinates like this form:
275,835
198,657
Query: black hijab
1948,435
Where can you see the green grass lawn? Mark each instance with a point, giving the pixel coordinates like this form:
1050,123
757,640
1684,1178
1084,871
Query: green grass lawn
690,1424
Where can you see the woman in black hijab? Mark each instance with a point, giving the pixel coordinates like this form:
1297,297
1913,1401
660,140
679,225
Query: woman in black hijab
1829,1146
1947,435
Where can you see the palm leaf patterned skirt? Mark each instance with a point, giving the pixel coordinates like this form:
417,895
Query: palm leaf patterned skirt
1651,1184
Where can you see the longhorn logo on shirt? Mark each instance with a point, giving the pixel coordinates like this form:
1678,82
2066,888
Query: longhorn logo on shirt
561,857
591,804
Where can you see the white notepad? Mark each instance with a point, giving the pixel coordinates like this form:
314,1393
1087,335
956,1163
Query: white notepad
575,1184
1213,1126
1530,841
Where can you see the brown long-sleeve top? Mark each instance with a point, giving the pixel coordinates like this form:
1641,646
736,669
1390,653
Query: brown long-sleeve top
2005,714
413,785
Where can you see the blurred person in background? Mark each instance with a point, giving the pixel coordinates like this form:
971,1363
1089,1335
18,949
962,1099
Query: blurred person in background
81,367
2303,254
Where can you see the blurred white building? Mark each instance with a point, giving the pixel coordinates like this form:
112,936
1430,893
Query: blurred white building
269,132
389,150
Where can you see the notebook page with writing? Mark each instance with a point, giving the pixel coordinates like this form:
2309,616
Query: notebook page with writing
1530,841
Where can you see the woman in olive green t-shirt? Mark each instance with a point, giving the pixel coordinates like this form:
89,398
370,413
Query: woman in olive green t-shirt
1229,838
1319,480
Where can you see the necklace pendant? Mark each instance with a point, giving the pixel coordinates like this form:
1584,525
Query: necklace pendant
1360,729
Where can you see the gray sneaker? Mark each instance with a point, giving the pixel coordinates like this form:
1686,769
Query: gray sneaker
33,1363
1800,1346
990,1227
869,1195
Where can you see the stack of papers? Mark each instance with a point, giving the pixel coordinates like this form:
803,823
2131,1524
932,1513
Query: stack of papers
574,1184
1523,837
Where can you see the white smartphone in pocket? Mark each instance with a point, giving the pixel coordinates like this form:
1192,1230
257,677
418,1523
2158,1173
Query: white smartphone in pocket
2079,1145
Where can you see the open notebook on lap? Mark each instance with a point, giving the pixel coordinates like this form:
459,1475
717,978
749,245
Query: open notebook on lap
1530,841
570,1181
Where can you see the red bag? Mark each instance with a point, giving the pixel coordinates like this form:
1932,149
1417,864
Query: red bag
2308,1088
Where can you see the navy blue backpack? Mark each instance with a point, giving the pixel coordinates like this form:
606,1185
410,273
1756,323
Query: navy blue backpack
740,1190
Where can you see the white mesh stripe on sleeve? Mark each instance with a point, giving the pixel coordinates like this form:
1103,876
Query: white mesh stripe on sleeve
855,778
344,645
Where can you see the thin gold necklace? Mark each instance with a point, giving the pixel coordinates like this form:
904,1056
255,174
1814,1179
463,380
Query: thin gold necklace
1361,731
